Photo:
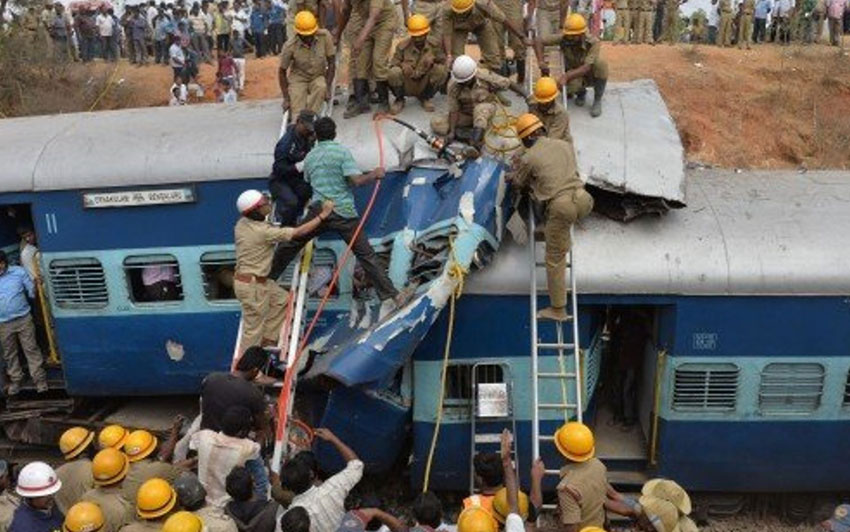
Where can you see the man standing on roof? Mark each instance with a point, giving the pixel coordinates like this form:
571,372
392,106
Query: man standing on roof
583,66
478,17
414,70
548,168
307,66
263,300
544,105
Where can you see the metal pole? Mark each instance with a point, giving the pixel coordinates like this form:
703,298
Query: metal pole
535,413
576,345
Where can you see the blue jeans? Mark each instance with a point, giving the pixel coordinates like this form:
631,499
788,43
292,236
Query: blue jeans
260,476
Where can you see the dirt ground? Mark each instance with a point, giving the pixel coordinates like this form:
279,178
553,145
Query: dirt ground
770,107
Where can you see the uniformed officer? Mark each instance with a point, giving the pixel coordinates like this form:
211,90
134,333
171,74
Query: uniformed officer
671,21
479,18
37,484
83,517
321,9
623,22
745,28
583,488
263,300
109,469
114,436
634,7
9,502
724,30
155,501
582,62
148,459
549,13
370,49
187,522
647,17
289,191
414,70
76,475
433,11
306,66
548,168
472,100
513,13
544,105
191,496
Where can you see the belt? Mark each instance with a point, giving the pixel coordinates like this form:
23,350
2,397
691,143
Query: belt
249,278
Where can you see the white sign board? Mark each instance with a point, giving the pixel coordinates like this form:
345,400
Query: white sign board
138,198
493,399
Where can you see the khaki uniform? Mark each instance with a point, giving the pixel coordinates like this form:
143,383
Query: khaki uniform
215,520
117,511
307,66
143,525
433,11
589,480
21,331
76,480
375,54
818,16
745,28
579,53
623,23
414,69
144,470
295,7
555,119
724,31
480,20
8,504
647,16
475,104
671,21
263,300
513,13
634,5
549,169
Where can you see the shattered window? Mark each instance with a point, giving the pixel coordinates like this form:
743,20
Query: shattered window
217,269
153,278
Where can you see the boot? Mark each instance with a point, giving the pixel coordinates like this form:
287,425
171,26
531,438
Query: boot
477,139
383,90
361,97
598,91
520,71
398,103
505,71
552,313
425,99
580,96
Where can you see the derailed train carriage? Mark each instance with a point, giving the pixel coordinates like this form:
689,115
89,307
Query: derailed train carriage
745,363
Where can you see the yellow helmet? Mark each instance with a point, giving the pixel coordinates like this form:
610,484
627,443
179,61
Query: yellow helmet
139,445
306,23
662,514
155,498
545,90
109,467
183,522
83,517
476,519
112,436
670,491
418,25
501,508
74,441
592,529
526,124
462,6
575,24
575,441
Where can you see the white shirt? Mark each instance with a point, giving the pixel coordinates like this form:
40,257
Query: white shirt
176,57
240,18
105,25
28,259
513,523
326,503
218,454
229,96
151,13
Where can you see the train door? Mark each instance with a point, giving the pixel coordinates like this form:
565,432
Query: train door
19,240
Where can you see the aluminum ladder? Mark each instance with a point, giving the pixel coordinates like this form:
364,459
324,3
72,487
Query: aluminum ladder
497,410
569,407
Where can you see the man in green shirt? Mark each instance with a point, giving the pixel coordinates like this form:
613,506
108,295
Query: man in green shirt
331,171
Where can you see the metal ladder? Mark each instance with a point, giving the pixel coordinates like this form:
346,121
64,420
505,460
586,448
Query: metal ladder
571,408
503,415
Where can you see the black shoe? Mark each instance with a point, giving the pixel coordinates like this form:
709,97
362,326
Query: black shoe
383,90
598,91
580,97
520,71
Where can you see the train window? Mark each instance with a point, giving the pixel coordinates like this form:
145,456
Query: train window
217,269
705,387
321,272
789,388
153,278
78,283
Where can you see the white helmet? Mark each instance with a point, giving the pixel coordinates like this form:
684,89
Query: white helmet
37,479
250,200
464,68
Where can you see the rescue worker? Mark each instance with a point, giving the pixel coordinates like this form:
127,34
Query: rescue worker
583,66
192,497
671,21
545,106
145,463
37,484
185,522
548,168
154,502
501,508
647,17
583,486
489,479
623,22
472,100
76,475
476,519
549,14
516,41
321,9
9,502
724,31
83,517
113,436
263,303
745,28
432,10
289,191
370,49
109,469
307,66
634,7
414,70
478,17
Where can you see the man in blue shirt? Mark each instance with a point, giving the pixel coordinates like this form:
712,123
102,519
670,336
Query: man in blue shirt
286,183
37,485
330,169
16,326
259,22
275,36
763,8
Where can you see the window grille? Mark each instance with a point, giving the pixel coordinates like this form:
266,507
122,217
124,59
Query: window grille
705,387
78,283
791,388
